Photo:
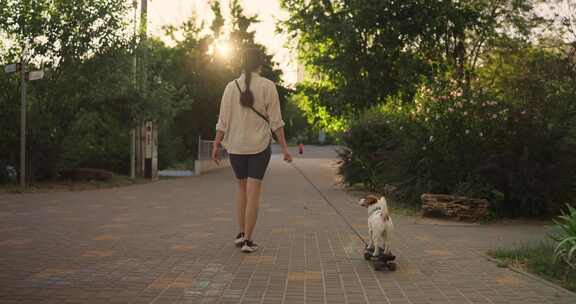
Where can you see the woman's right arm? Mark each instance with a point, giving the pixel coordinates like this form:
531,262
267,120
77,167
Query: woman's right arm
276,122
216,147
222,125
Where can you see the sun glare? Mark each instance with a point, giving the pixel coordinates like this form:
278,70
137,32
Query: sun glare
224,48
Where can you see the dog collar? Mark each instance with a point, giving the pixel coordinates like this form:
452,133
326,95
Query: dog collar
373,211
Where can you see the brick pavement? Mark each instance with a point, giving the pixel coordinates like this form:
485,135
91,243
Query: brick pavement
171,242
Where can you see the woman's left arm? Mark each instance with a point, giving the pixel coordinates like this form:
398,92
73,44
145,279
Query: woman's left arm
282,139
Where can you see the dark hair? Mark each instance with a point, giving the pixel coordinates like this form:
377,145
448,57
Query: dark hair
251,61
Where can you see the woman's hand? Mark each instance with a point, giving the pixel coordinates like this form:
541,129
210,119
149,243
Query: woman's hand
216,153
216,147
287,155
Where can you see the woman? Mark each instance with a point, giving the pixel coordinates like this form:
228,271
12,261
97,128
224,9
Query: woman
249,112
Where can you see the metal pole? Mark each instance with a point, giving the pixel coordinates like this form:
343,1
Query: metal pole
135,83
143,80
23,118
198,164
144,44
133,153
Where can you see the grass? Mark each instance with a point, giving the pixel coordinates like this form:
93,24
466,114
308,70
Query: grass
538,260
405,209
65,185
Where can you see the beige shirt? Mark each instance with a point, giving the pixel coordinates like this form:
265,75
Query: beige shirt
244,131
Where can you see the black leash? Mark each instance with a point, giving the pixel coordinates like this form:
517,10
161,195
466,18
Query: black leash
329,203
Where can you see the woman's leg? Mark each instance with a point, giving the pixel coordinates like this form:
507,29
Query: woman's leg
241,200
253,189
257,165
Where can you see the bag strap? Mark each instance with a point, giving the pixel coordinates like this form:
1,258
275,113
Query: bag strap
274,137
252,107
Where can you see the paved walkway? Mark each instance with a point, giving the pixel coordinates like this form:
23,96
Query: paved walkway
171,242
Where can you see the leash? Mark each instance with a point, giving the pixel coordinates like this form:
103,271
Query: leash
328,202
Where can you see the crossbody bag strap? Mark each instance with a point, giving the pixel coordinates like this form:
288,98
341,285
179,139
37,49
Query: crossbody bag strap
252,107
259,114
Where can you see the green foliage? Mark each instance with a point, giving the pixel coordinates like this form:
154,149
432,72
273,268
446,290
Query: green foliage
536,87
85,53
296,124
9,113
200,77
81,113
64,32
566,240
367,51
307,99
381,141
565,16
509,138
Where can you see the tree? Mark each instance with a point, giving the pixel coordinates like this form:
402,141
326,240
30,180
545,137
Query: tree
566,15
63,32
200,75
80,114
63,36
362,52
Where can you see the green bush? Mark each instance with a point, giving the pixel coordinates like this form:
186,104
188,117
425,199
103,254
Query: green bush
296,124
378,142
509,139
565,249
97,140
176,146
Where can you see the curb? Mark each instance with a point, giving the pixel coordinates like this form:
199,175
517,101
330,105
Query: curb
529,275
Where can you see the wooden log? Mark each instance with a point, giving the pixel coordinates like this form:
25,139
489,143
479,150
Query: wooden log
458,207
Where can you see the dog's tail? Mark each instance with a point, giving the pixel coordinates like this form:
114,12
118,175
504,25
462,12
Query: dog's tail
385,214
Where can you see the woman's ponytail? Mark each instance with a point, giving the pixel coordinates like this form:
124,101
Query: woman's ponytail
252,60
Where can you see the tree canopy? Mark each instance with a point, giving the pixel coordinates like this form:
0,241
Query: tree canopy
362,52
81,113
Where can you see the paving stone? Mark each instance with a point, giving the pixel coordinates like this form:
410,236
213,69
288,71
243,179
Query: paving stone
171,242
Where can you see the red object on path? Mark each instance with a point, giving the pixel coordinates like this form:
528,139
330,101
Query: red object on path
301,148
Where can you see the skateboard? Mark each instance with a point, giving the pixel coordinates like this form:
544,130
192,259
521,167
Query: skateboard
382,262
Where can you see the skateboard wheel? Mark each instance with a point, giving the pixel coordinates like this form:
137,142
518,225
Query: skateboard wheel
387,257
367,256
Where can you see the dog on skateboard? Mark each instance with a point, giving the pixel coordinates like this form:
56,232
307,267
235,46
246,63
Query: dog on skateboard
380,229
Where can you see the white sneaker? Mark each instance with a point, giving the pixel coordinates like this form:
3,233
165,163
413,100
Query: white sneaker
249,246
239,239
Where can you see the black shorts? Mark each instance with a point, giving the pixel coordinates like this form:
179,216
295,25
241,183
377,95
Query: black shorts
250,165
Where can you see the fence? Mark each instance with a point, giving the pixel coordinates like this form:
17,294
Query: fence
204,163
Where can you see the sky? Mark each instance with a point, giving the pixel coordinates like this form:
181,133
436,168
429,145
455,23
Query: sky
164,12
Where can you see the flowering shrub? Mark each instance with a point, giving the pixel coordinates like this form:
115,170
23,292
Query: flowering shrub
510,139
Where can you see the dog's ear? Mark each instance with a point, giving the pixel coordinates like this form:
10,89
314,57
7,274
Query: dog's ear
368,200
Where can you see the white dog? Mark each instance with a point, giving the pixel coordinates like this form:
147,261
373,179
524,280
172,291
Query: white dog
380,225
